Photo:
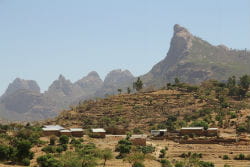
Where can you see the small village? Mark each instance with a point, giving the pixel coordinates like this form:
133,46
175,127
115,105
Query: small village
186,135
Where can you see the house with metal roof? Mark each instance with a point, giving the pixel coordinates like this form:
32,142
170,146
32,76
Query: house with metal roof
98,133
77,132
49,130
159,132
192,131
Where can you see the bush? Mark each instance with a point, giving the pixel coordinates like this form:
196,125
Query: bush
49,149
64,139
239,157
4,152
48,161
200,123
225,157
65,147
22,149
241,128
52,140
26,162
138,164
165,163
162,153
226,165
205,164
60,149
179,164
146,149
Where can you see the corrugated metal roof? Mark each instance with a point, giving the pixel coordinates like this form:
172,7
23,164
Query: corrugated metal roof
53,127
138,136
192,128
65,130
97,130
212,129
76,129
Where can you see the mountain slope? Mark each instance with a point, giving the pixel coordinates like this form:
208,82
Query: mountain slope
194,60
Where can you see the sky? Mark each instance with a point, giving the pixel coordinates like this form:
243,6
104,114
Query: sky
39,40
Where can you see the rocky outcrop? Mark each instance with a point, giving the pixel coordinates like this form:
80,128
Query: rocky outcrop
116,79
194,60
90,83
21,84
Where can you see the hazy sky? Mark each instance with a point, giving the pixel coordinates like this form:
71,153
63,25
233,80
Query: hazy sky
41,39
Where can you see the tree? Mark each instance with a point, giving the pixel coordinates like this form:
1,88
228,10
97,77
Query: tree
89,161
200,123
23,149
128,90
138,84
48,161
119,90
135,158
71,159
244,85
106,154
64,139
163,153
52,140
176,81
4,152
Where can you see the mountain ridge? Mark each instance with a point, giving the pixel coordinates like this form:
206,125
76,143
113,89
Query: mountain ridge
189,58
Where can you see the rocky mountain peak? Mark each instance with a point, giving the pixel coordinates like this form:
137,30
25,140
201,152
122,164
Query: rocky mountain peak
21,84
178,28
118,76
93,74
91,81
61,84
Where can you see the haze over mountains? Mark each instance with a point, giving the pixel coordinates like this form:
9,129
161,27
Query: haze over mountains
189,58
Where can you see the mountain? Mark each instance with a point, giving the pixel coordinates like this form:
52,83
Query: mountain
189,58
194,60
90,83
116,79
21,84
23,101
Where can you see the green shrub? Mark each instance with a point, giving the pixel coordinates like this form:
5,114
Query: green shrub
225,157
239,157
26,162
4,152
146,149
165,163
205,164
226,165
179,164
64,139
48,161
52,140
49,149
138,164
60,149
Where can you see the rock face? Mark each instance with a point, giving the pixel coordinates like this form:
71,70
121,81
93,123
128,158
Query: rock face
20,84
23,101
90,83
194,60
116,79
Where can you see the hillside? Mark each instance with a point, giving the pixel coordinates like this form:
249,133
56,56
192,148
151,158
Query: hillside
209,103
